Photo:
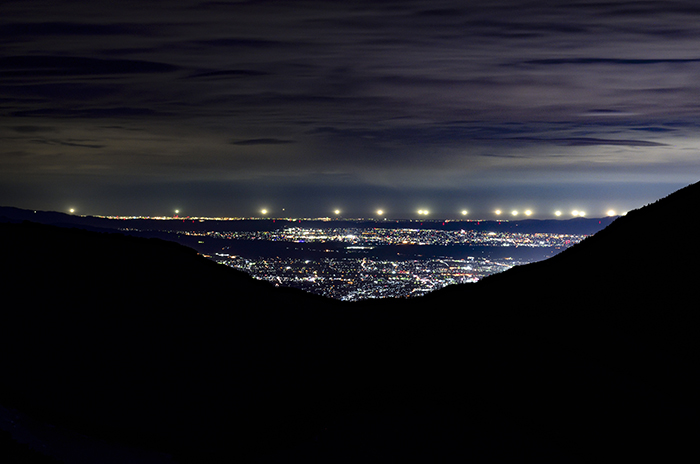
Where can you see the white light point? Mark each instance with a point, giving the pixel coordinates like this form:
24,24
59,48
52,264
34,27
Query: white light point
574,212
464,212
557,213
263,211
337,211
380,212
528,213
611,212
498,212
514,213
72,210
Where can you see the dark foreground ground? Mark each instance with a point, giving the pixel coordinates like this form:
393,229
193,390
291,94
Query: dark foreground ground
589,355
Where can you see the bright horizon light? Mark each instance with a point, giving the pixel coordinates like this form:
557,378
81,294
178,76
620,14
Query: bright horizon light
497,214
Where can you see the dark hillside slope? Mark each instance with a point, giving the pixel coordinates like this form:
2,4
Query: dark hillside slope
589,355
656,243
144,341
596,348
638,275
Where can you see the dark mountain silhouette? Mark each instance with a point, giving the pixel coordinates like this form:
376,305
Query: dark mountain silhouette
602,338
116,335
589,355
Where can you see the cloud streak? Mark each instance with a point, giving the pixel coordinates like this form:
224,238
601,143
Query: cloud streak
263,141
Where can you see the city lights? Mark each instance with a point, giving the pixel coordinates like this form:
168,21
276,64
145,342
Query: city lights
351,259
347,273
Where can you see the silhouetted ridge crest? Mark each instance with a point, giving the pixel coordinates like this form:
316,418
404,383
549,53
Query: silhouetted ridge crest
150,324
622,303
591,353
651,244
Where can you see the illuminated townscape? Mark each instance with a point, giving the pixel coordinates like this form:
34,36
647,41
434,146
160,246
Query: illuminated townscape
354,263
361,278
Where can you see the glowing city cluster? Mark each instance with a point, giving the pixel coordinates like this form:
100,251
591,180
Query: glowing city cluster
352,279
373,258
349,268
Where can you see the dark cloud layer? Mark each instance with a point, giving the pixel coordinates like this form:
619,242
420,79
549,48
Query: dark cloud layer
40,67
265,141
346,103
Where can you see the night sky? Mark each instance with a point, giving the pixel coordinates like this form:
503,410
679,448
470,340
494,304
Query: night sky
223,108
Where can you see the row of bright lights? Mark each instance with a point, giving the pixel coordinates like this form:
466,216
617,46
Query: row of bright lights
498,212
425,212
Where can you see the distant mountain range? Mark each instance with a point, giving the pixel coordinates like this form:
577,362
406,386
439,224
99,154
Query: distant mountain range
114,343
